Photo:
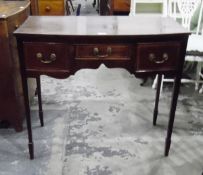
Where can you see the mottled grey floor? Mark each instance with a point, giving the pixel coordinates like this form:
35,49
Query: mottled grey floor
99,122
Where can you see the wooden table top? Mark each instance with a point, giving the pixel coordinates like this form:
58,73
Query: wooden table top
101,25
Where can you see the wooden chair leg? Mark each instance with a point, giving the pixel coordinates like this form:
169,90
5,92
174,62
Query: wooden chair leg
198,71
71,3
98,6
154,85
159,80
201,89
67,8
78,10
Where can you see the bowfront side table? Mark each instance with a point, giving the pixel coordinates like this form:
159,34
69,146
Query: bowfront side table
59,46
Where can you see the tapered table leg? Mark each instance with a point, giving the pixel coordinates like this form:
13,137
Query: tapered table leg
39,100
157,99
28,119
176,89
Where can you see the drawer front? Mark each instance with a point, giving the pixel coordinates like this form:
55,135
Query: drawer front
51,7
157,57
102,52
122,5
45,57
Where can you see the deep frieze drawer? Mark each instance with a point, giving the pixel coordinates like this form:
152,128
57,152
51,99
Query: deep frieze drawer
157,57
122,5
102,52
46,56
54,7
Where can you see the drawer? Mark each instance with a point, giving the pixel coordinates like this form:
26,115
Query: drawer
47,7
157,57
121,5
46,57
102,52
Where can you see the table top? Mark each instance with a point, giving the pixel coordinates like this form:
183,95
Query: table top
100,25
9,8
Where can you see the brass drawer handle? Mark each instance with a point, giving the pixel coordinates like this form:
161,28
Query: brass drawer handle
152,58
48,8
96,52
51,59
16,26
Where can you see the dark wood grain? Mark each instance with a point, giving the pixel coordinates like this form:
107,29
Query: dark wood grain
142,44
137,26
